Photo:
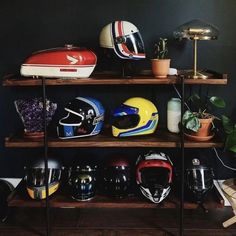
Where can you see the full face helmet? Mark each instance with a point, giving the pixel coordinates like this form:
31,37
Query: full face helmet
124,38
117,177
82,182
154,176
136,116
199,179
84,118
35,178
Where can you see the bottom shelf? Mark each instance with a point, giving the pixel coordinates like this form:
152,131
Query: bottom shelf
59,200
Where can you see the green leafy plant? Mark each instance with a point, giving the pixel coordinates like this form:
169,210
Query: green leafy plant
230,130
201,111
161,49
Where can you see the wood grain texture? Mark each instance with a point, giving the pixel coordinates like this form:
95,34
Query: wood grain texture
12,80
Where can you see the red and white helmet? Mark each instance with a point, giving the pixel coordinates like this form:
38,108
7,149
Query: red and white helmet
154,176
124,38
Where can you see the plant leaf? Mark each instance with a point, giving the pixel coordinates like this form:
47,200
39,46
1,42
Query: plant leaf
233,149
190,121
230,142
227,124
217,101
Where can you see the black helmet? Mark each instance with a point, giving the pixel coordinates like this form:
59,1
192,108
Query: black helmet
154,173
199,179
5,189
35,178
82,182
117,177
85,116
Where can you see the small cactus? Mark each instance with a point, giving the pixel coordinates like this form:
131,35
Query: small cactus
160,49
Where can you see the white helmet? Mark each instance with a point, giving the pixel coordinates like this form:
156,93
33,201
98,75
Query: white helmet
124,38
154,176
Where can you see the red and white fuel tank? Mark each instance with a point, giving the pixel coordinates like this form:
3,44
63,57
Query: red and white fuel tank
63,62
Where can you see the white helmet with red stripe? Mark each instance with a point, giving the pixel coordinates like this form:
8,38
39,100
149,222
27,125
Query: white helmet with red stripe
154,176
124,38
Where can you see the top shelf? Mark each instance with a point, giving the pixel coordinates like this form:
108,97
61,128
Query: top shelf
13,80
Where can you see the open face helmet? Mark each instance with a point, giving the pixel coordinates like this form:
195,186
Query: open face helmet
82,182
199,179
154,176
117,177
35,178
84,118
136,116
124,38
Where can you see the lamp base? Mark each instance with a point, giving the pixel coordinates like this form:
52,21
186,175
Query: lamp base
199,75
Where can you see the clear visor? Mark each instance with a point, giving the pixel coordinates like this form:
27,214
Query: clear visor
134,43
200,179
36,176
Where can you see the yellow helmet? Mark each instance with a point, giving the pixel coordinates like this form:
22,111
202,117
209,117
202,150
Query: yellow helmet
136,116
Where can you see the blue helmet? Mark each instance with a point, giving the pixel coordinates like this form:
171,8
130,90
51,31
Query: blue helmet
85,117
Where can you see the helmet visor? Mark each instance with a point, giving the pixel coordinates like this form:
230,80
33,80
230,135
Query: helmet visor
36,176
199,179
134,43
154,177
126,122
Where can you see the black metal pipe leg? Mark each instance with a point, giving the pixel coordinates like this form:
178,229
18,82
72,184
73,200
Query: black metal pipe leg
181,231
46,156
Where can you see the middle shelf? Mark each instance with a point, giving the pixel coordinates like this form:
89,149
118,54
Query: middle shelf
162,139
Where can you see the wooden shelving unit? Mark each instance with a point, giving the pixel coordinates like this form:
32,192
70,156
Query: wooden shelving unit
161,138
12,80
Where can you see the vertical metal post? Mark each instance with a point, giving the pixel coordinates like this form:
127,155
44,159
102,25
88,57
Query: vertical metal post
181,229
195,58
45,142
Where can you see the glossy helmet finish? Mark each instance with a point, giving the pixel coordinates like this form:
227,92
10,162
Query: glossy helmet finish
136,116
35,178
199,179
117,177
154,176
84,118
124,38
82,182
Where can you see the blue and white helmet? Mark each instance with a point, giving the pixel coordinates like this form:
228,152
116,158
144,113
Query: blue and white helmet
85,117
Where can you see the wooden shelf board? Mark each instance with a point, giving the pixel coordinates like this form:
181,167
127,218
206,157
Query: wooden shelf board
12,80
62,201
161,138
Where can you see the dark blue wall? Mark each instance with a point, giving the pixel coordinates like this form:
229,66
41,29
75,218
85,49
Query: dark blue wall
27,26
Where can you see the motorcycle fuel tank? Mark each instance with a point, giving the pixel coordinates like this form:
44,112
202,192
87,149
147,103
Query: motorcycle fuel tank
63,62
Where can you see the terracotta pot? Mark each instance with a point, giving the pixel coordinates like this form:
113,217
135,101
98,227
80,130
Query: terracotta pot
160,67
205,129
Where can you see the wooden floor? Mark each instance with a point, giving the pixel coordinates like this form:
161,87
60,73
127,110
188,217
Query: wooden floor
116,222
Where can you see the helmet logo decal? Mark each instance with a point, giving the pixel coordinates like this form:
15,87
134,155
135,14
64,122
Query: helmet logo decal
72,60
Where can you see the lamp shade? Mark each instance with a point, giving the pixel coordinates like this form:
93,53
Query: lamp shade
196,30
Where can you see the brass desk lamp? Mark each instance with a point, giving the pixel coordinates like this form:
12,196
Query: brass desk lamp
196,30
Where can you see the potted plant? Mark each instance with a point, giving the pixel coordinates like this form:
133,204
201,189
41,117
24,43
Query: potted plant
198,124
160,64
